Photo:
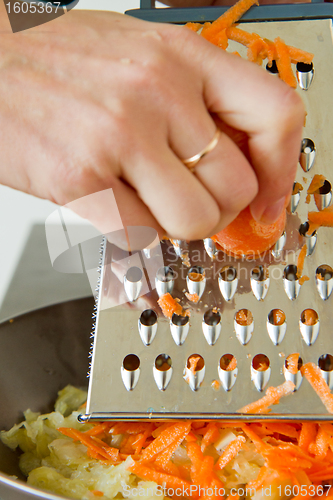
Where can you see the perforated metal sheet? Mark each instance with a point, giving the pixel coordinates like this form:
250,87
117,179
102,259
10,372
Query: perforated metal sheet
117,333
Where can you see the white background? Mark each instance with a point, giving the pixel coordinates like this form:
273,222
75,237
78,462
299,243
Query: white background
18,211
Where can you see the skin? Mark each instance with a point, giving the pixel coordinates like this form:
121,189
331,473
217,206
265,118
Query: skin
97,100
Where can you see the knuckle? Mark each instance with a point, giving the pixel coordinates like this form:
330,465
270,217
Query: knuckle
290,109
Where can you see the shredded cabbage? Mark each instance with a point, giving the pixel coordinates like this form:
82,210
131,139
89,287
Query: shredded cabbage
55,463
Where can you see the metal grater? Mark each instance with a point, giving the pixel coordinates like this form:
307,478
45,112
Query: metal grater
139,362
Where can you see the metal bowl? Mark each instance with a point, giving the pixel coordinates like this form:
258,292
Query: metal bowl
40,353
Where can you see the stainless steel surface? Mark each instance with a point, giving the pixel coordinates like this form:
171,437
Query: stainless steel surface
202,393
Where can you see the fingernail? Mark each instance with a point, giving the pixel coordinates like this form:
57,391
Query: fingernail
272,212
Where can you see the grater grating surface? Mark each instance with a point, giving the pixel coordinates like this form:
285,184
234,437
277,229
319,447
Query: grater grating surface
216,393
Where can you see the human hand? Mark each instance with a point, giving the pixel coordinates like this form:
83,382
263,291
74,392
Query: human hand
99,100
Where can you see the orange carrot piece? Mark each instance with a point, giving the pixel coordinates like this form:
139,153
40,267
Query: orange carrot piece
98,429
322,218
273,395
193,26
193,297
257,51
279,317
259,481
141,440
193,362
257,441
196,456
292,362
168,436
93,443
97,493
129,427
320,446
301,260
166,454
211,435
244,317
161,478
230,452
205,27
317,182
298,55
283,62
169,305
204,476
283,429
313,374
241,36
233,496
228,18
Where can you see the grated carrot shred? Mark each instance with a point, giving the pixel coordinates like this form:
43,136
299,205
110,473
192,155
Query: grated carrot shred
292,362
317,182
313,374
301,260
283,62
193,26
273,395
169,306
230,452
230,17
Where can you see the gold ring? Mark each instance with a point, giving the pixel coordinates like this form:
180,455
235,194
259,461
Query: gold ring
190,163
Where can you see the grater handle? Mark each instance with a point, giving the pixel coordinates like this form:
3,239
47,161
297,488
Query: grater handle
316,9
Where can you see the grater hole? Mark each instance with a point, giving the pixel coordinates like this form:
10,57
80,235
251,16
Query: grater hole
293,365
196,274
228,273
179,320
307,156
134,274
260,363
244,325
307,146
259,273
297,188
148,317
304,67
272,68
212,317
290,273
303,230
323,195
276,317
325,362
165,274
194,371
163,363
228,362
195,363
309,317
324,272
244,317
309,326
326,188
196,281
131,362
